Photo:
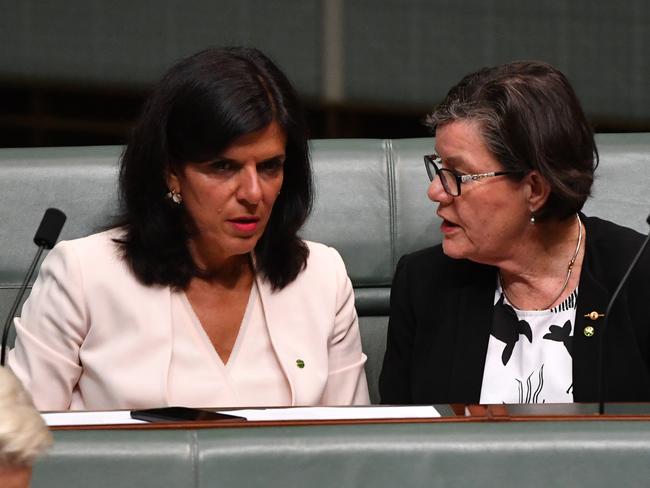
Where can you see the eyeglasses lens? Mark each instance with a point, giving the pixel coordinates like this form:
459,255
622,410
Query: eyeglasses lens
431,169
449,182
447,178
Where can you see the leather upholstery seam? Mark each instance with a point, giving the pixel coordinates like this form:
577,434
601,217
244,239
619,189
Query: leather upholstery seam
194,457
392,197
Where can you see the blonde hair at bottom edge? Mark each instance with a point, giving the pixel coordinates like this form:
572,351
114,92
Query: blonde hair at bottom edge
23,433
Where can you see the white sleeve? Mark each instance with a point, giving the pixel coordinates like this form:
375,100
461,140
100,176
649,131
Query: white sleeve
51,330
346,383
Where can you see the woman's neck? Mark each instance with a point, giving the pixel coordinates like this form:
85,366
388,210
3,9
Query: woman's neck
229,271
537,275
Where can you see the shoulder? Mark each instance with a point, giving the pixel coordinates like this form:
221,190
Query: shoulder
93,271
430,257
94,245
322,258
432,266
318,249
324,272
96,255
610,249
603,234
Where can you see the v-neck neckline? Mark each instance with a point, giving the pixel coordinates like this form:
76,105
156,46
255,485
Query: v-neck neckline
203,337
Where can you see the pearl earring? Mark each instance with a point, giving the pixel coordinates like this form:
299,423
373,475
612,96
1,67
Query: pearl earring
175,196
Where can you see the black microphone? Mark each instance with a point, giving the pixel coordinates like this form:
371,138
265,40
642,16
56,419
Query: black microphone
45,238
601,376
50,228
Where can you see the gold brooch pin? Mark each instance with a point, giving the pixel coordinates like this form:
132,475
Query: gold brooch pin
594,315
589,331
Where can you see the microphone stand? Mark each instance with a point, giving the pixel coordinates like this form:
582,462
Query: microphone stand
17,300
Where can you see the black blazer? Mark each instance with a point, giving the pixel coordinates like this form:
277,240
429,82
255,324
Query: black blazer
441,318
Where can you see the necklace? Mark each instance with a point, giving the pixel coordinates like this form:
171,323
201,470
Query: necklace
568,274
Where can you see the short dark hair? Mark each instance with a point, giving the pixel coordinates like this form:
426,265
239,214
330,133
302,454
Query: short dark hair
194,113
530,119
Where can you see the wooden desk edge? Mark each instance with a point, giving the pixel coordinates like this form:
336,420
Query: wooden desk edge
388,421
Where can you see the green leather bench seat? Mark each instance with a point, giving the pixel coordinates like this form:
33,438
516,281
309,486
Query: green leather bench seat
594,454
371,205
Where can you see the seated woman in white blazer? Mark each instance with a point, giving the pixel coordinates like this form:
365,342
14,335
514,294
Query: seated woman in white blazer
203,295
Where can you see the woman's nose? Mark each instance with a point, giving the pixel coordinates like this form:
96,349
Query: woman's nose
436,191
249,186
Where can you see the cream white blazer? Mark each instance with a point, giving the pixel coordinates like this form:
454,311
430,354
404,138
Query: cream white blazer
92,337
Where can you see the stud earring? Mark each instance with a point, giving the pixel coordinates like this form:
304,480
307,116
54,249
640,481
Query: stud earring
174,196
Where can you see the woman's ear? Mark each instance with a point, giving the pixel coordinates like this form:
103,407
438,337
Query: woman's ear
537,191
172,181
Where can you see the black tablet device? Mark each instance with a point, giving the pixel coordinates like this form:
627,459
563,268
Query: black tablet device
180,414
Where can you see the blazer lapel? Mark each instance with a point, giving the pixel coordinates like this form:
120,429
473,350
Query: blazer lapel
274,319
473,325
593,296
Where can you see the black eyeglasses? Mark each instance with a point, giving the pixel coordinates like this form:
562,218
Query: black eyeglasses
450,179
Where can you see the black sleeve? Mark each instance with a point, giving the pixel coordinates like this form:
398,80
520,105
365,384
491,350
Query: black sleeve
395,377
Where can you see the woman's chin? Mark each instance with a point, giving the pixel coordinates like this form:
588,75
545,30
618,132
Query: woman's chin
243,244
452,249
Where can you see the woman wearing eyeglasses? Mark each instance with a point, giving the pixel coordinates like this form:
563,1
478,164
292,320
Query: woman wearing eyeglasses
510,307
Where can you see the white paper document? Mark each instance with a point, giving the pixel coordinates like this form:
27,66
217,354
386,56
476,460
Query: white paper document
90,418
295,413
337,413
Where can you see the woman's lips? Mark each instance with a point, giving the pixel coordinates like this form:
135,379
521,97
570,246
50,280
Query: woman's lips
245,224
446,227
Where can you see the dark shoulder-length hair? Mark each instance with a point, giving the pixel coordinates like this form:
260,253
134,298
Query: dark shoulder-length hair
530,119
194,113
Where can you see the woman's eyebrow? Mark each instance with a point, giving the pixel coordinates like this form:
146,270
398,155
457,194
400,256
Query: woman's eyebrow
452,160
220,159
273,158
